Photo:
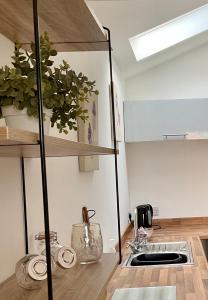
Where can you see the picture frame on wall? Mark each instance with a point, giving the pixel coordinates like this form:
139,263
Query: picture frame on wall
88,134
118,114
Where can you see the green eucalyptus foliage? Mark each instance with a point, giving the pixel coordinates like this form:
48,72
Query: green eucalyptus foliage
64,91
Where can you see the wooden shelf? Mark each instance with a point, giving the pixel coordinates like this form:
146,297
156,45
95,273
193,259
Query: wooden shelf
86,282
20,143
70,23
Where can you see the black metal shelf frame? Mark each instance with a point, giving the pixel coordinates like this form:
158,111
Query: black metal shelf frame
22,164
42,148
43,157
114,142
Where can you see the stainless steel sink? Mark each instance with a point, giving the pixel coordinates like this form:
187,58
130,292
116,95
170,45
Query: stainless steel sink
150,259
161,254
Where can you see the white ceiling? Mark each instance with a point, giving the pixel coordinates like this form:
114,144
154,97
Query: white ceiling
126,18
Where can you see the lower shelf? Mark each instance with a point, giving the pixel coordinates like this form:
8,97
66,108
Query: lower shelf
86,282
21,143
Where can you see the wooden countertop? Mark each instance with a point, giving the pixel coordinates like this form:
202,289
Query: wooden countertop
191,281
83,282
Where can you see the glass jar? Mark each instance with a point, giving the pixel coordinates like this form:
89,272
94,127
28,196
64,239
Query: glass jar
64,257
87,242
40,240
30,271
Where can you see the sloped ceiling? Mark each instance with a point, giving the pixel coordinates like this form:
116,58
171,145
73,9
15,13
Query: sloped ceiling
127,18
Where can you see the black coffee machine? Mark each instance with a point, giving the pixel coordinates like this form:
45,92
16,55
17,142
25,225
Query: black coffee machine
143,216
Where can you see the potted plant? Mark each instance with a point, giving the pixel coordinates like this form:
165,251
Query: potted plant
64,91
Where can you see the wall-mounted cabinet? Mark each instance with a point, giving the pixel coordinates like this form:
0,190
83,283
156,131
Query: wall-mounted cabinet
157,120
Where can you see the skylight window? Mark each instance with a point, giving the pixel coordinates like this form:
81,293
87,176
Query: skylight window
170,33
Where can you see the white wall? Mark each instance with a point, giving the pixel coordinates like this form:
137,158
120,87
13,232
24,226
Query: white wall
69,189
185,76
172,176
11,217
169,175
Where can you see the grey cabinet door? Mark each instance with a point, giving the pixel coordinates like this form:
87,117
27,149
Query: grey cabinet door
155,120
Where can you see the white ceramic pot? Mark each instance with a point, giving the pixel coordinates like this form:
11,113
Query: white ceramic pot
19,119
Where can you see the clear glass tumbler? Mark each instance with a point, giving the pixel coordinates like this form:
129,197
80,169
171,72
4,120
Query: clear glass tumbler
87,242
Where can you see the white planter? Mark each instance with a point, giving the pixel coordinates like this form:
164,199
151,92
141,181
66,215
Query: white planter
20,120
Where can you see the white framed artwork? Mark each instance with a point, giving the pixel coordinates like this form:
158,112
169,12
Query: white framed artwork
88,133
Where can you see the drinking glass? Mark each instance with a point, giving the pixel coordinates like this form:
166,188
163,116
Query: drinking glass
87,242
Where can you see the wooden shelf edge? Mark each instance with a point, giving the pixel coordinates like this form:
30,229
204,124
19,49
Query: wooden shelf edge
61,19
25,144
87,282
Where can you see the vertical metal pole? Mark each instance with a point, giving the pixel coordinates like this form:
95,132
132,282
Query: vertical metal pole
24,204
115,144
42,148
